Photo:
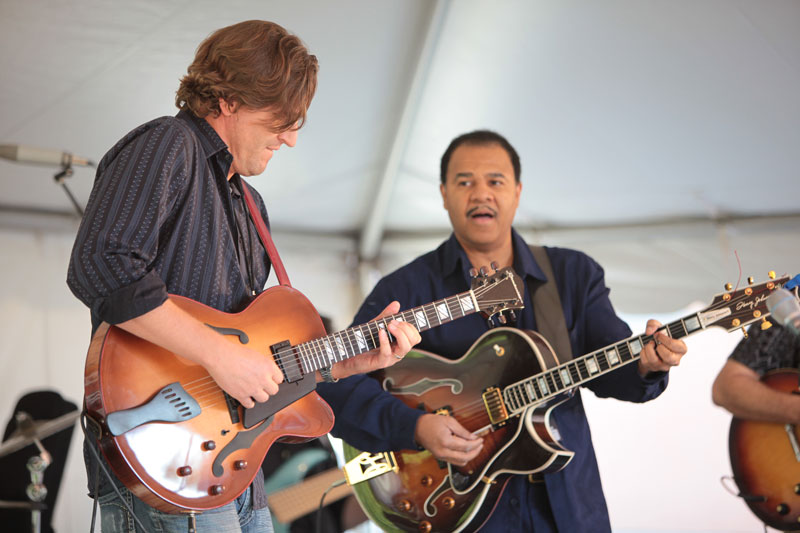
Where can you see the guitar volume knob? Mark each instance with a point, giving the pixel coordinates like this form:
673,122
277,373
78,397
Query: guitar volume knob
782,508
426,481
424,527
404,505
185,471
216,490
448,503
209,445
239,465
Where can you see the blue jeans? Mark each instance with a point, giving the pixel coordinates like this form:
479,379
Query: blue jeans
235,517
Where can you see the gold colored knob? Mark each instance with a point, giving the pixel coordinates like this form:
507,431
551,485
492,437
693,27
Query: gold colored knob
448,503
772,274
765,325
726,297
757,313
404,505
750,280
748,291
736,322
728,286
426,481
424,526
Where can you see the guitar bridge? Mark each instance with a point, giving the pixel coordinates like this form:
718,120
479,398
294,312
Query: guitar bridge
495,407
367,465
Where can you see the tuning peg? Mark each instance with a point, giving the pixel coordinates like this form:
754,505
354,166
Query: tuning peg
483,271
493,264
473,272
502,319
744,331
771,274
512,315
728,286
750,280
765,324
490,322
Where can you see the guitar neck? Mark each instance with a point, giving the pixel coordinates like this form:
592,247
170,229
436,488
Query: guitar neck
325,351
298,500
557,380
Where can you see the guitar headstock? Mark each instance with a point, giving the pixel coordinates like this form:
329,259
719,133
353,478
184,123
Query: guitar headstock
737,308
498,292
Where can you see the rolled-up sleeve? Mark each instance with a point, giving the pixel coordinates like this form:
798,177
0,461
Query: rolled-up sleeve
111,268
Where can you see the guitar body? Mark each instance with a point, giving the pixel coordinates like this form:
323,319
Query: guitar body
764,464
205,461
425,495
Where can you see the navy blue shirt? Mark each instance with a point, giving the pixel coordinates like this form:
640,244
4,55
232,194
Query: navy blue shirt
572,499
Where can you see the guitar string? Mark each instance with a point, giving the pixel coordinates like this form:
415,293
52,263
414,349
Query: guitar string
476,411
468,411
206,387
430,310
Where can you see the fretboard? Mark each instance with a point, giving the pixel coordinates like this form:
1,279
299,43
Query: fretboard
326,351
545,385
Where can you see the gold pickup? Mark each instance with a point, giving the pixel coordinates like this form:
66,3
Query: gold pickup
493,401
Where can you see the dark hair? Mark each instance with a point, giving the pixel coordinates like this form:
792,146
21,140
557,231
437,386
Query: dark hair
480,138
255,64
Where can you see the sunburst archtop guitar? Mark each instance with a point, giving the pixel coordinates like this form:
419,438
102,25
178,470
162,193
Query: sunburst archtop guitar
504,390
181,444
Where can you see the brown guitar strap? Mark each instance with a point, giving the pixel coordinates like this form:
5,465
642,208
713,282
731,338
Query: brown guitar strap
266,239
547,308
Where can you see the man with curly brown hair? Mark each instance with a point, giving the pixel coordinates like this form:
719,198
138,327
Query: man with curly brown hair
167,216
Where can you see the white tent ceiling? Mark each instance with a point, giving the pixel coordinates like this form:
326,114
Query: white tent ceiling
625,113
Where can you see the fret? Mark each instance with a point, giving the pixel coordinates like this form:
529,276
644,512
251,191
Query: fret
591,365
636,346
692,324
382,326
303,361
454,308
329,351
421,319
551,381
529,388
369,337
583,371
613,356
539,393
431,313
519,396
509,400
524,392
574,371
677,330
442,312
624,352
600,357
340,346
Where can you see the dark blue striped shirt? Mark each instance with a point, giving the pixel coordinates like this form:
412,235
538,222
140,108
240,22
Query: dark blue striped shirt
163,218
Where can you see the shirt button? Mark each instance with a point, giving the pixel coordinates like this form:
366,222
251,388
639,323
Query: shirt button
514,502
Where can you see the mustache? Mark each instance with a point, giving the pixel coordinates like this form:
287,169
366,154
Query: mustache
472,211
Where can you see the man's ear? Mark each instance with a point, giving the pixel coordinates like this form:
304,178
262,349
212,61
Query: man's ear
227,108
444,195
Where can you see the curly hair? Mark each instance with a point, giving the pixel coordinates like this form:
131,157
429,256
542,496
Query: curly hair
255,64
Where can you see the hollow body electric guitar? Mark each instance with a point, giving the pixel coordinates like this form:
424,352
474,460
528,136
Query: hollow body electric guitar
765,459
503,390
181,444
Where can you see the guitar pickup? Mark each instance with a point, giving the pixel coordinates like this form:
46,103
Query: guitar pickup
367,465
495,407
291,368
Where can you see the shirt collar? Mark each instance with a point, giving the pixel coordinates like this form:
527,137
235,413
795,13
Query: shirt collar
455,258
210,140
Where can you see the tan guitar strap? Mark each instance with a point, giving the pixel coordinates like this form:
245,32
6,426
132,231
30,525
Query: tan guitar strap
266,239
547,308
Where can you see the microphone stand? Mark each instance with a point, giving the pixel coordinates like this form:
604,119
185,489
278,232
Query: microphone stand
60,177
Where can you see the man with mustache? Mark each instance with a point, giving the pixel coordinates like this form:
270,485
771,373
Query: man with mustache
480,188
